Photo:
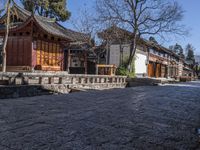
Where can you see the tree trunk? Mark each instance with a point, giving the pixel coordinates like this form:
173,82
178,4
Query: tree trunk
133,47
6,35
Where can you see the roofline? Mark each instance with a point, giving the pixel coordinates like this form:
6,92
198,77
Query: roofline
35,19
32,18
28,15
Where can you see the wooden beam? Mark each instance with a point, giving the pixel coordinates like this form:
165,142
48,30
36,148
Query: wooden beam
85,61
68,60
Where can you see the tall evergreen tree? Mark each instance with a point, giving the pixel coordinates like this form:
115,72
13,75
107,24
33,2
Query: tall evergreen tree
48,8
190,53
178,50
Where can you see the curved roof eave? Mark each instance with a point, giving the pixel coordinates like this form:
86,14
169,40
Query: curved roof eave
38,23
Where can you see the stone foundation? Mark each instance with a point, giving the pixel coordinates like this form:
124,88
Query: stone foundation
32,84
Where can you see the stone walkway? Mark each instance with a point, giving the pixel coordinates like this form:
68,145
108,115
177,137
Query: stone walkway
141,118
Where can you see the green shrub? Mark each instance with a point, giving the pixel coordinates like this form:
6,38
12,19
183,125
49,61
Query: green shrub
123,70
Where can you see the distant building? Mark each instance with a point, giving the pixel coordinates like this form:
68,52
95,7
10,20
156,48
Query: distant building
151,59
118,49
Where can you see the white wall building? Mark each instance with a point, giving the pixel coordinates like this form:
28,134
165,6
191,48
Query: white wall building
140,63
117,54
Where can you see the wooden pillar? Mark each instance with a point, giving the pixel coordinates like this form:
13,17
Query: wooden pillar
85,61
68,60
97,70
154,69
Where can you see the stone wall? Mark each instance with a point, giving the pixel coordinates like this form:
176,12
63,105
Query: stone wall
31,84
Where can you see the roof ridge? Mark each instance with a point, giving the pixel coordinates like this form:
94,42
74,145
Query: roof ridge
45,18
26,12
22,9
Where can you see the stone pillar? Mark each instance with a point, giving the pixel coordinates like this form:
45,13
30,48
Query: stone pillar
107,80
11,80
60,80
18,81
93,80
51,80
102,80
41,80
73,80
25,80
82,80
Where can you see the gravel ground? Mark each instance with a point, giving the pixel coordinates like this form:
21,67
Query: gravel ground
140,118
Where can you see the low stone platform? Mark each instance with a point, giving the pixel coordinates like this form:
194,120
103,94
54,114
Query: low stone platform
134,82
34,83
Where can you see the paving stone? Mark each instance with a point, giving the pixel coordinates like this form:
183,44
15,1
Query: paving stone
158,117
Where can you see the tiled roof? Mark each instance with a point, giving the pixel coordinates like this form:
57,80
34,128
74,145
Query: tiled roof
118,32
114,32
51,26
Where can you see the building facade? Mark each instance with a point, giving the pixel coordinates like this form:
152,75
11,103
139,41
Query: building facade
36,42
151,59
119,53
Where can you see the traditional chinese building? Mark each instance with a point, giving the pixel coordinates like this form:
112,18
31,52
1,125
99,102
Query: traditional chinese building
117,49
38,43
162,63
151,59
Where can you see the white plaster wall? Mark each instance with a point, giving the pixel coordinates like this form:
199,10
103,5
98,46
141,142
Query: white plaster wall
140,63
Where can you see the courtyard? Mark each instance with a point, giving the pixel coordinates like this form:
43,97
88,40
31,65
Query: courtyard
149,117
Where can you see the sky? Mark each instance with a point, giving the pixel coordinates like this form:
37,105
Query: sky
191,20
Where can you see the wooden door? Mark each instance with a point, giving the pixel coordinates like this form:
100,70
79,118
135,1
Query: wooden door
158,70
19,51
49,56
150,70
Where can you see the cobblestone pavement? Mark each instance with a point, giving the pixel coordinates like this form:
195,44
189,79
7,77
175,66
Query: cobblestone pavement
140,118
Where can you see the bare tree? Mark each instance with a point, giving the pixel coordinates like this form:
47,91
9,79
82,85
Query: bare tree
142,17
8,11
85,23
8,3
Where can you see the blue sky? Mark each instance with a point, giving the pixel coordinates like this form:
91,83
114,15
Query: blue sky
191,20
